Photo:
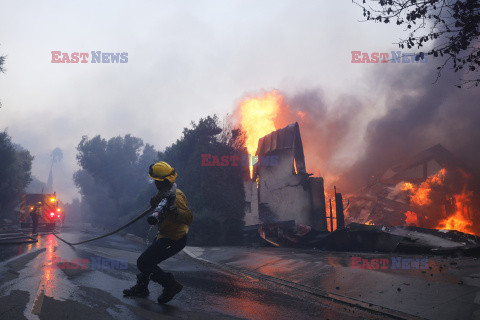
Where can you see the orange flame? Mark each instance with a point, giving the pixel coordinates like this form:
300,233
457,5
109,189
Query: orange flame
257,116
420,195
459,221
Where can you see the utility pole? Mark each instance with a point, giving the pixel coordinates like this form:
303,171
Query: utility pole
339,210
331,216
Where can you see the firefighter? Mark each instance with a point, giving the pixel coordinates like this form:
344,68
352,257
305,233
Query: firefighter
173,223
34,214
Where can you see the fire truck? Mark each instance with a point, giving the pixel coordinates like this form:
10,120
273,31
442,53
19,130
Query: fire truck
50,212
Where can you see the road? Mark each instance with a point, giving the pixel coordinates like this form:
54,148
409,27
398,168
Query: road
33,285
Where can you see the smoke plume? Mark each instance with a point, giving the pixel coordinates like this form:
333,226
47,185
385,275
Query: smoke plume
344,148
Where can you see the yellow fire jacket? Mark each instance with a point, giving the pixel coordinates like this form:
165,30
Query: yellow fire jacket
175,225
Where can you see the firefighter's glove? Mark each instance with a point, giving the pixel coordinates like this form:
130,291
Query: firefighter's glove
154,202
158,215
171,205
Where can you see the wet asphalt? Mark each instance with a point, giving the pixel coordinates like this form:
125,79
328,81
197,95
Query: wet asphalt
51,280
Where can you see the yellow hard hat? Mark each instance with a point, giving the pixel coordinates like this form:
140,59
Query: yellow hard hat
161,170
39,204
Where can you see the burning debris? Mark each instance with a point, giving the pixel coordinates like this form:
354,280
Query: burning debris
432,190
400,239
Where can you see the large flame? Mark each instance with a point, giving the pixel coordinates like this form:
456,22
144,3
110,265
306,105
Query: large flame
257,116
421,196
459,220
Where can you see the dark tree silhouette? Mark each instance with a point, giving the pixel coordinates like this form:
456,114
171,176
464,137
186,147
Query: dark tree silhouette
115,186
215,193
15,175
113,172
450,25
2,62
2,69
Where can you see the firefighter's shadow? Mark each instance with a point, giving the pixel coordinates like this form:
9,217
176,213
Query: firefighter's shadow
165,309
168,309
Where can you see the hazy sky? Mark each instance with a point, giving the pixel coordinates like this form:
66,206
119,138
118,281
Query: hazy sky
186,60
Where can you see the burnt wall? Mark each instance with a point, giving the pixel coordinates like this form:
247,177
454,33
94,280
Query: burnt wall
286,194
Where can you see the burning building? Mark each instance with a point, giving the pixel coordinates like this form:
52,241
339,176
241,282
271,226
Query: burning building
395,212
432,189
280,189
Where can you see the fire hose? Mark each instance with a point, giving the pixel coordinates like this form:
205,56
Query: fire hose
15,237
167,201
143,214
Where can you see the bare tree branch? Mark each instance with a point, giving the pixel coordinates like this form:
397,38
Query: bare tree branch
450,26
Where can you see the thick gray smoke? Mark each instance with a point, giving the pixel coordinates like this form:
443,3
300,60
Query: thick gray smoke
326,130
418,115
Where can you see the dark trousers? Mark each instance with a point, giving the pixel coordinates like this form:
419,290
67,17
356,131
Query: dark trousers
160,250
34,225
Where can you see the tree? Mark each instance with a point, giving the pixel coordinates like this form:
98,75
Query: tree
2,62
215,193
15,173
114,182
2,69
74,211
113,172
450,25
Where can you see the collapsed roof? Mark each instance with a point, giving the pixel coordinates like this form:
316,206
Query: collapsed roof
283,139
385,202
436,156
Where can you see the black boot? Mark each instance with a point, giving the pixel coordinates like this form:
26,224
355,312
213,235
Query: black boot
170,287
140,289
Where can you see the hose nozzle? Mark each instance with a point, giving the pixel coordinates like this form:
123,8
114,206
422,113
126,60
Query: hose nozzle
155,216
